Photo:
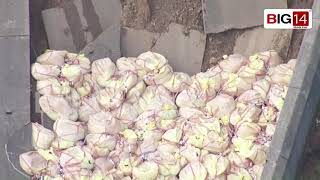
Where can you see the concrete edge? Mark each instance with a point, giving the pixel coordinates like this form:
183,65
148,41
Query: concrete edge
297,115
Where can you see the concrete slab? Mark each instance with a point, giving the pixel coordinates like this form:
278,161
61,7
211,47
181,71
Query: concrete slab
221,15
135,42
106,44
89,36
80,22
109,12
259,39
58,34
184,50
14,18
19,142
14,94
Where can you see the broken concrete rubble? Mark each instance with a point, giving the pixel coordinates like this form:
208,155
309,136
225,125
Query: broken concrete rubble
108,12
221,15
58,34
260,39
80,22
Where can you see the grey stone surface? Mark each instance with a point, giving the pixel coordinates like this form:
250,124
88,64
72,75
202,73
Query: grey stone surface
309,56
300,108
46,121
259,39
315,9
135,42
14,18
14,94
80,22
38,37
37,105
183,51
106,44
221,15
18,143
109,12
82,11
58,34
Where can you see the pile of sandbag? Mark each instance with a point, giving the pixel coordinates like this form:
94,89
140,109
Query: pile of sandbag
138,119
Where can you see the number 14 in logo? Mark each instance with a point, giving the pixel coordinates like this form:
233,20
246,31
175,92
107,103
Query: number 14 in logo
300,18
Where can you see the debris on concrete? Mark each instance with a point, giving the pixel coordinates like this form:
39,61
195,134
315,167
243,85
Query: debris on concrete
184,50
221,15
58,34
106,44
80,22
260,39
135,42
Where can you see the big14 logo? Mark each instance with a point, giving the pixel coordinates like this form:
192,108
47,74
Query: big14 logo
287,18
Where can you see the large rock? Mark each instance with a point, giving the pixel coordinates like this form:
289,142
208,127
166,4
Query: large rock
184,50
221,15
260,39
135,42
58,34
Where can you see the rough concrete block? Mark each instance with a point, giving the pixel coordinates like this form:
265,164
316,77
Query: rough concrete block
106,44
14,18
58,34
14,94
135,42
183,51
221,15
259,39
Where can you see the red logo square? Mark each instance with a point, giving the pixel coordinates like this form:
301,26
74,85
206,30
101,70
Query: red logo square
300,18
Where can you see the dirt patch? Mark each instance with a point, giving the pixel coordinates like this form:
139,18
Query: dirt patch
218,45
296,40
